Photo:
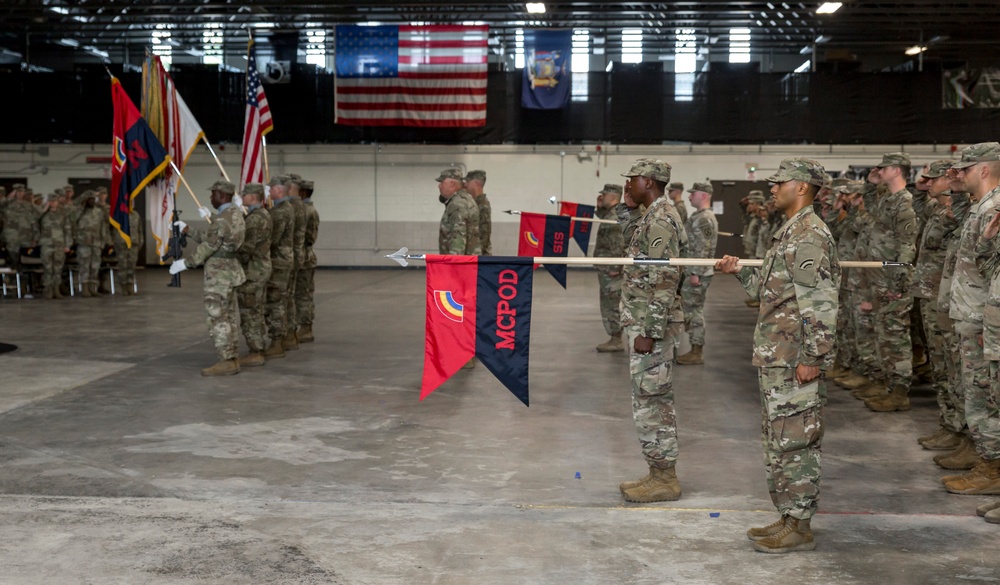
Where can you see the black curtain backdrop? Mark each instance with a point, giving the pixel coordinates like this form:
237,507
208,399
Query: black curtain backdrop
629,105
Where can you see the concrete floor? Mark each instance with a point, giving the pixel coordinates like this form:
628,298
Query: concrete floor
119,463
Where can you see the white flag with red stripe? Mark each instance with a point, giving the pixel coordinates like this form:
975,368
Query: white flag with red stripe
414,75
256,124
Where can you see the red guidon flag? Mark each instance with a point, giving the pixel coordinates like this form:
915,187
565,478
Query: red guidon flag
545,235
477,306
580,230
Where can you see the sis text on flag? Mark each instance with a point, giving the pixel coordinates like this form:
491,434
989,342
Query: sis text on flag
580,230
545,235
430,76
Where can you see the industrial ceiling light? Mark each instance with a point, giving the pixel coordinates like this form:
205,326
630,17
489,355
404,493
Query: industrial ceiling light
829,7
535,7
915,50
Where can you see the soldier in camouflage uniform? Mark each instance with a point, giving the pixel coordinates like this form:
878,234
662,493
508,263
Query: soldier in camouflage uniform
610,244
127,253
894,239
92,235
459,233
848,200
653,318
305,287
56,238
629,213
291,340
793,342
676,193
703,235
216,249
474,183
751,221
255,259
282,261
20,225
976,307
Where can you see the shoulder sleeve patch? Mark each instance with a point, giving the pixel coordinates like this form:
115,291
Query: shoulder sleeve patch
906,222
659,237
805,270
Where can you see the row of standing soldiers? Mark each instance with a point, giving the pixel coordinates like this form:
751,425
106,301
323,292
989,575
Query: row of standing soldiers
259,270
60,224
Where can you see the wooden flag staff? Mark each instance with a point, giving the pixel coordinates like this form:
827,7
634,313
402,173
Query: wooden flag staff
193,196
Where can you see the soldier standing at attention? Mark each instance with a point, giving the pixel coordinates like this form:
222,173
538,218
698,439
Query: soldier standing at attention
650,307
305,287
751,222
474,183
255,258
610,244
893,238
216,249
676,193
291,341
793,342
56,239
703,235
92,234
282,260
459,233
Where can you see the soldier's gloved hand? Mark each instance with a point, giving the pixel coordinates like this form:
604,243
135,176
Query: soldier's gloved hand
181,225
238,201
204,213
178,266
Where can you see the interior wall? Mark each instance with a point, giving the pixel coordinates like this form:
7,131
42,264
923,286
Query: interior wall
374,199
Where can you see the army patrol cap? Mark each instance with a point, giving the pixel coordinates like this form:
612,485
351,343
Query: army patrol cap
612,188
223,187
52,197
279,180
476,176
756,196
650,168
17,186
827,181
706,187
449,174
307,185
253,189
799,169
894,159
977,153
937,169
676,187
88,194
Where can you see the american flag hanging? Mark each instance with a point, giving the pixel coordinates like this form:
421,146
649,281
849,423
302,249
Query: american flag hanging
256,125
415,75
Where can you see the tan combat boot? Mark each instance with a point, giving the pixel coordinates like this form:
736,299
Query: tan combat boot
993,516
752,303
963,457
290,342
837,371
854,381
86,291
662,486
933,436
988,507
945,440
254,358
986,482
763,532
692,358
48,293
274,350
870,391
223,368
627,485
976,470
796,535
612,345
305,334
895,400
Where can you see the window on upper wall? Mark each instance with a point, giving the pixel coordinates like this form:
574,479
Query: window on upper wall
739,45
632,45
580,65
685,63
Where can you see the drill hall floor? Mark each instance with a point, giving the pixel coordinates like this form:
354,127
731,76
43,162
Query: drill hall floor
121,464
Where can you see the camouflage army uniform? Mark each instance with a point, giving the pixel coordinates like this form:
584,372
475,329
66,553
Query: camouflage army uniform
56,234
678,205
765,236
485,224
20,229
254,256
651,307
610,244
216,249
282,261
865,350
629,218
982,410
893,238
298,262
305,287
797,287
969,294
92,236
459,233
953,411
128,257
703,236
